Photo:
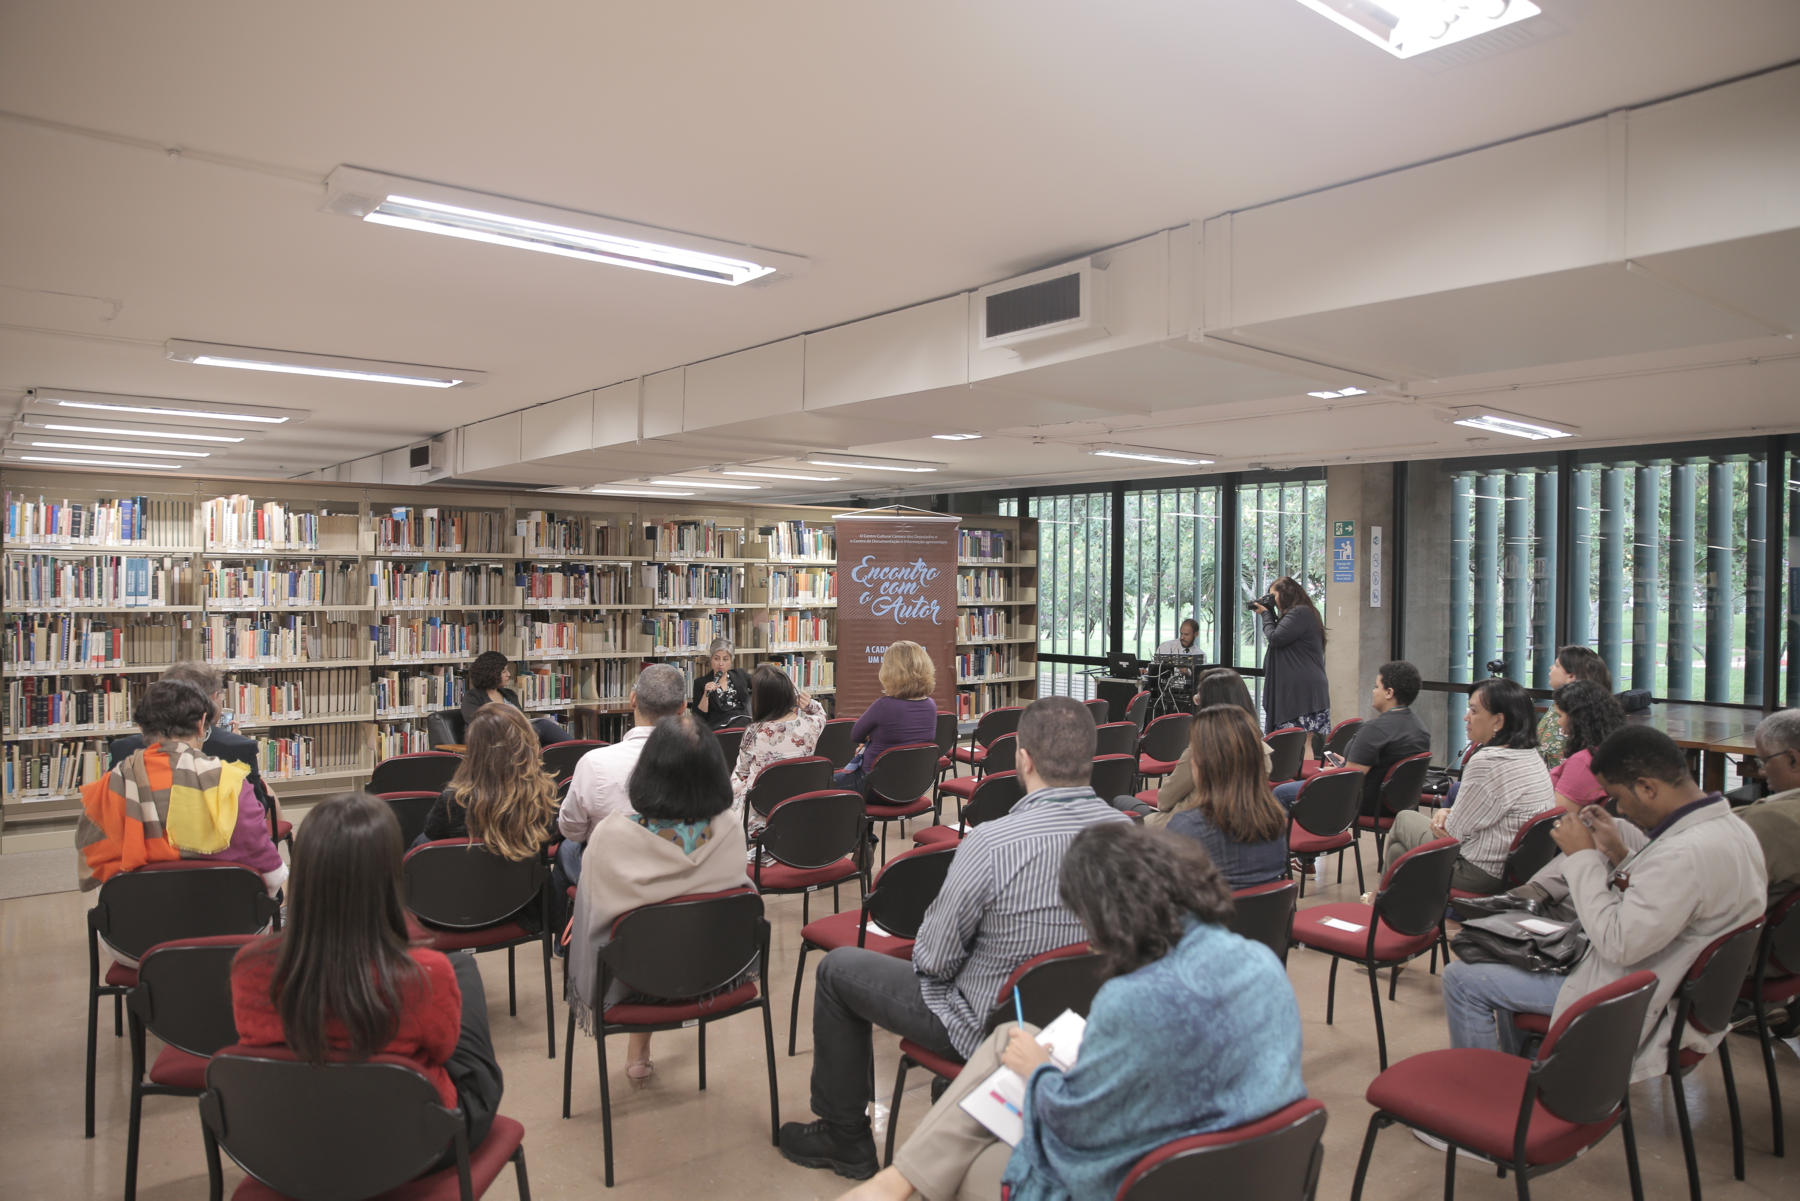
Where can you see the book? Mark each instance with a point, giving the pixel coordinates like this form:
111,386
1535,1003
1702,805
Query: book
999,1101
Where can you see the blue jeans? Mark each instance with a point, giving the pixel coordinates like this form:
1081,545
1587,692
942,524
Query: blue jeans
1480,999
1288,793
568,857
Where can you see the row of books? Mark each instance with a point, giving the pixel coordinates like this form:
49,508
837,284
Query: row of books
973,701
435,637
318,749
798,540
58,581
983,544
240,523
663,584
785,630
270,697
600,634
35,772
426,584
546,687
391,740
126,520
409,530
800,585
809,672
418,691
577,584
693,539
983,624
66,642
265,584
980,662
977,584
680,635
36,706
277,638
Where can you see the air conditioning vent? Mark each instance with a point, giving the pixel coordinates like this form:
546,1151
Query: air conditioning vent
1057,304
426,456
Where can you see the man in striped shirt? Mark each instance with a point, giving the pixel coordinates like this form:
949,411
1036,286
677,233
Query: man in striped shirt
998,907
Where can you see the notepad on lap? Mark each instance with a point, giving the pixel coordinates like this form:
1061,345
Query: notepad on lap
999,1101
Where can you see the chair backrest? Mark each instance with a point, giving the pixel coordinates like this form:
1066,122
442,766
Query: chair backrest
456,885
1100,709
445,726
1329,802
1136,709
836,745
731,740
903,774
995,795
1117,693
1115,738
1166,737
906,886
340,1132
1276,1158
1265,913
1341,734
1532,848
183,899
1401,785
1112,775
1047,984
560,758
1780,953
736,721
410,810
995,722
1583,1066
1416,889
1705,996
1002,754
421,771
788,778
686,947
813,829
1287,750
946,733
183,993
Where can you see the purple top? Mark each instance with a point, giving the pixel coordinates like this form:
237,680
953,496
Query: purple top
252,842
890,722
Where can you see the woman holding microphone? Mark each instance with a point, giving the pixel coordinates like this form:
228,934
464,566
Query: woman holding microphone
723,692
1294,689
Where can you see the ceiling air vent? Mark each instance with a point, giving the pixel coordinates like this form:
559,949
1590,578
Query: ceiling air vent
1060,304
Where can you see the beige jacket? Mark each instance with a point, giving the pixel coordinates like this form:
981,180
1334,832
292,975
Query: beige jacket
1775,820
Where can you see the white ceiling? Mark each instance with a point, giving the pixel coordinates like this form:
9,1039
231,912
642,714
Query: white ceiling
909,150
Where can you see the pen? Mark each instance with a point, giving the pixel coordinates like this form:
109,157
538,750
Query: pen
1018,1007
995,1094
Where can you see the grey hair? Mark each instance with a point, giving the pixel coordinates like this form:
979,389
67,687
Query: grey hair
202,676
661,691
1780,731
719,644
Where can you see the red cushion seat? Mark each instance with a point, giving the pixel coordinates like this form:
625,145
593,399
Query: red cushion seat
1390,944
962,786
1471,1097
178,1069
931,1061
1302,841
839,930
657,1013
1156,767
487,936
781,877
1148,796
879,811
963,754
1310,768
936,835
1376,823
284,830
1778,991
120,976
485,1164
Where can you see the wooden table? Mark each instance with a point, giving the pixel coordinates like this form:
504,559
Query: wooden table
1714,731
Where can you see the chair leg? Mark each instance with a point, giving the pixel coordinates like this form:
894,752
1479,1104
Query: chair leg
1376,1121
118,1015
605,1100
1356,854
518,1160
774,1088
702,1056
215,1170
1375,997
549,1001
568,1063
93,1033
137,1107
1331,990
794,1013
1303,875
1687,1138
1522,1185
806,907
887,1159
1631,1155
834,900
512,985
1731,1103
1450,1174
1393,980
1764,1035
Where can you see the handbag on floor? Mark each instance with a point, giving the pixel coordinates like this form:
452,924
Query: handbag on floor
1522,939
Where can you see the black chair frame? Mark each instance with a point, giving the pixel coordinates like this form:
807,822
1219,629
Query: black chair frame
901,777
1320,812
811,831
783,779
835,744
1265,913
1287,750
419,771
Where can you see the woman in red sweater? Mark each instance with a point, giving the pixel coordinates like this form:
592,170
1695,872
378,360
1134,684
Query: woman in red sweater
343,979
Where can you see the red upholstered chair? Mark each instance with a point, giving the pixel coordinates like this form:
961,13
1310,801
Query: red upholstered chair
687,956
133,911
1137,709
1338,741
1529,1115
1400,789
814,839
783,779
1322,817
1161,746
560,758
899,785
731,740
991,725
946,741
469,898
421,771
995,795
1047,984
1265,913
1100,709
1532,847
1276,1158
1287,751
836,744
344,1130
1112,776
1001,756
410,810
1775,982
1115,738
183,996
1404,921
901,893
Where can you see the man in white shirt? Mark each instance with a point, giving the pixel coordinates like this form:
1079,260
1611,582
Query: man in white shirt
1175,693
597,790
1184,645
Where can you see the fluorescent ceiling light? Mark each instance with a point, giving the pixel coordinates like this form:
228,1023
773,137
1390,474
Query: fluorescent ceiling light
707,484
780,475
152,408
1148,456
99,462
866,463
1407,27
652,492
1495,423
956,437
165,451
294,362
35,421
480,217
1339,392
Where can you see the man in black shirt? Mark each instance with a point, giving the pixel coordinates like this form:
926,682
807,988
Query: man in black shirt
1392,735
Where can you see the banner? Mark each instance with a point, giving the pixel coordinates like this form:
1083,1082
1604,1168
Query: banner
896,581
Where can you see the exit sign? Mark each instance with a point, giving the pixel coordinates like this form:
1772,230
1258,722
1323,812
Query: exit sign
1343,529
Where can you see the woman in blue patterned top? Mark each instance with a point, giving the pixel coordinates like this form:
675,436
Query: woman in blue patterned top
1225,1051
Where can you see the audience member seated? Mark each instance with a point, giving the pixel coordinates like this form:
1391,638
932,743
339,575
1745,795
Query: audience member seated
490,679
1217,686
1504,786
904,713
169,800
1235,815
999,906
1696,874
679,838
1586,716
1572,663
344,981
598,788
1775,820
221,743
1226,1048
722,691
1393,734
784,724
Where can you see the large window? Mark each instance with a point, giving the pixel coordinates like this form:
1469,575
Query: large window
1171,567
1074,588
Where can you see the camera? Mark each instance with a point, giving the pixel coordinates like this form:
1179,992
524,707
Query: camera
1267,601
1496,667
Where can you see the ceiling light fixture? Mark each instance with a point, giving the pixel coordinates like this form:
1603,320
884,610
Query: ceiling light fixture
956,437
1340,392
868,463
779,475
168,435
165,451
1496,423
71,404
1148,456
1407,27
649,492
480,217
707,484
294,362
99,462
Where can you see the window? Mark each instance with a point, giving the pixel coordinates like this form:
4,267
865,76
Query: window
1281,531
1074,576
1171,568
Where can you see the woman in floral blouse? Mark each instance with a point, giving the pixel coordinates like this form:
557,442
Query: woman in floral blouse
1572,663
784,724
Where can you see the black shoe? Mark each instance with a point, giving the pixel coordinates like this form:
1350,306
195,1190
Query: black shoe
848,1151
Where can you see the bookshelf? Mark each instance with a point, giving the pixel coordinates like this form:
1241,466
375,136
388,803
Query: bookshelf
343,615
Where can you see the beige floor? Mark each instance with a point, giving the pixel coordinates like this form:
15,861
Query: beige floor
676,1142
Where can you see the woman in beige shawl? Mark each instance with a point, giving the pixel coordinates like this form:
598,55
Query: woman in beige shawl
680,838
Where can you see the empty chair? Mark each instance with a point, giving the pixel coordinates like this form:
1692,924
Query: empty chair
445,729
1001,757
994,796
946,741
1265,913
560,758
1115,738
1100,709
899,784
834,743
1137,709
992,724
1276,1158
421,771
1287,750
731,739
1160,748
410,810
1112,775
1117,693
1322,818
783,779
814,839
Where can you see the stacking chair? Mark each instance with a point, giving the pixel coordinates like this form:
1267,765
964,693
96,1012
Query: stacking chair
560,758
1100,709
133,911
1276,1158
1528,1115
445,730
1322,818
1338,741
731,739
183,996
344,1130
469,898
994,796
1117,693
835,743
1265,913
421,771
815,839
1162,743
899,785
1137,709
1001,757
1287,751
1112,775
685,961
1400,788
783,779
1404,921
993,723
896,903
410,810
1775,981
946,741
1046,985
1116,738
1532,847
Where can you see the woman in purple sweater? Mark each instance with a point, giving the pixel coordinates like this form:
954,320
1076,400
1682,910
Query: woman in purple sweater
905,712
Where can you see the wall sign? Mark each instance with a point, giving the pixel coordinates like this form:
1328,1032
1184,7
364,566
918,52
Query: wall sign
1374,567
1343,557
896,580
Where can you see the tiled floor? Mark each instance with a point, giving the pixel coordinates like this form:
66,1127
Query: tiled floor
676,1142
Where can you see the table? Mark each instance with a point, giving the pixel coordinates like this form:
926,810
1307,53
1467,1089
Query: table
1715,731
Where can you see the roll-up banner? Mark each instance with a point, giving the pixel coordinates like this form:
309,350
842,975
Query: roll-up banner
896,581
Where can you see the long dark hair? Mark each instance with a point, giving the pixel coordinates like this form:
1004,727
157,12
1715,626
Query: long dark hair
1223,686
680,774
1290,594
771,692
344,953
1135,889
1509,701
1594,713
1231,780
1585,663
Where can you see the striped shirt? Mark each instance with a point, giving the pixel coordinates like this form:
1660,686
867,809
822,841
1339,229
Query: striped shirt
1502,789
999,907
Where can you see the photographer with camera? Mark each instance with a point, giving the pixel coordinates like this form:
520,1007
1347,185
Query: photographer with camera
1295,692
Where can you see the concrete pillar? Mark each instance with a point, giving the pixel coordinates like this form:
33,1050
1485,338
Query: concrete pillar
1358,638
